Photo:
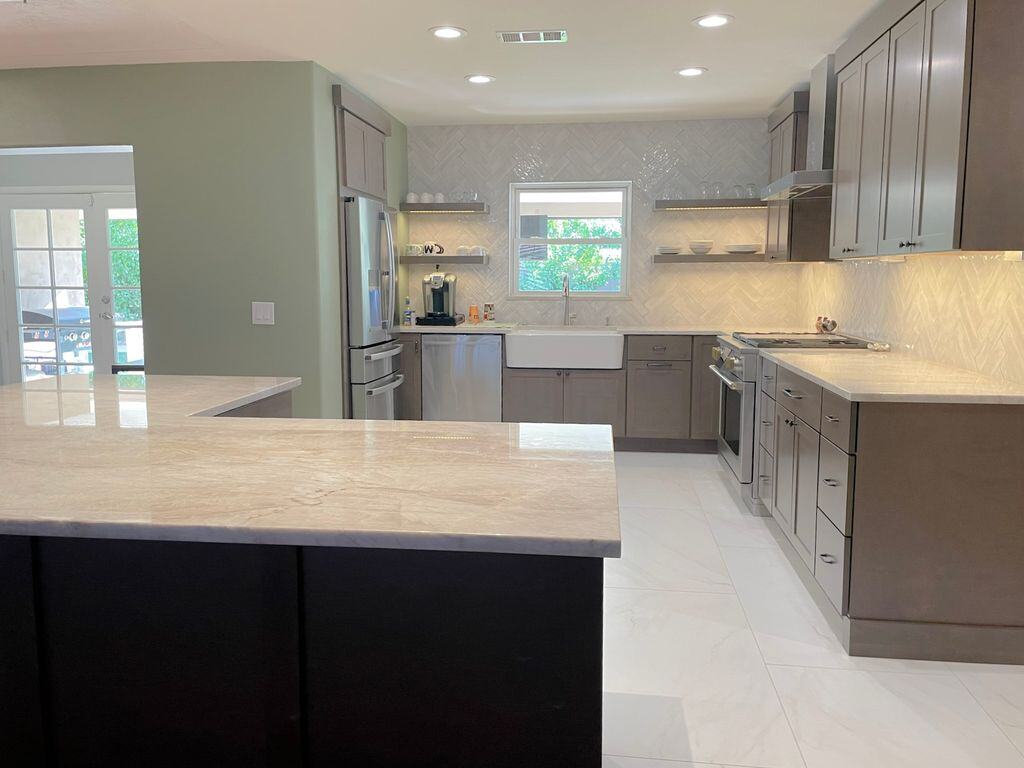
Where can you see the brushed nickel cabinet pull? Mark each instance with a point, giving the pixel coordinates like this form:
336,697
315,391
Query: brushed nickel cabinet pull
826,558
792,395
659,348
830,482
832,419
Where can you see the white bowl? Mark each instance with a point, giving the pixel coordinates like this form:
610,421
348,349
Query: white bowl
742,248
701,246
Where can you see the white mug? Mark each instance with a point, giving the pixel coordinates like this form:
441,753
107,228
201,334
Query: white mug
413,249
477,250
462,250
426,197
439,197
412,197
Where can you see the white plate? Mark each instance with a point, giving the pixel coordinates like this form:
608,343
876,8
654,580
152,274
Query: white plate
742,248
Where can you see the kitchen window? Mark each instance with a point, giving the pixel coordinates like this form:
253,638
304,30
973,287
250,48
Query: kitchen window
580,230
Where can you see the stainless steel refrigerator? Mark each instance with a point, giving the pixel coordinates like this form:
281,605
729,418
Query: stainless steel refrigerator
371,277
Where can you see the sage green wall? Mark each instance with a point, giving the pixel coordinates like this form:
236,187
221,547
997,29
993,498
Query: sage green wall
237,193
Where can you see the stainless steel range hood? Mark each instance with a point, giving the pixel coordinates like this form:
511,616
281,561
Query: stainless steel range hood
816,180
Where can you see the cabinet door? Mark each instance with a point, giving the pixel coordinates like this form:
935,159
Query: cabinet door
705,391
775,154
806,509
355,151
941,140
595,397
902,131
787,142
658,399
846,174
784,483
531,395
872,137
373,140
409,402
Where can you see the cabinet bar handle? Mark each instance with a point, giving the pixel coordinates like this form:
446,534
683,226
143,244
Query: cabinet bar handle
832,419
792,395
659,348
830,559
830,482
766,423
659,365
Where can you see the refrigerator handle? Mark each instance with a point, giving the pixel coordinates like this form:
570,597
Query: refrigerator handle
389,387
392,272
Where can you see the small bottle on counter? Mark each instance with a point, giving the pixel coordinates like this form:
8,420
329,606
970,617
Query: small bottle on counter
408,316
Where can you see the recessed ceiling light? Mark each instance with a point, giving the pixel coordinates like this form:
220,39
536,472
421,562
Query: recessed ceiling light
448,33
693,71
480,79
712,20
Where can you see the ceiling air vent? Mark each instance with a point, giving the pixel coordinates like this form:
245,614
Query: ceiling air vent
534,36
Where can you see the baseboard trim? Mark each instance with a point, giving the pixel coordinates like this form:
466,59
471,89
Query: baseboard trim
659,445
936,642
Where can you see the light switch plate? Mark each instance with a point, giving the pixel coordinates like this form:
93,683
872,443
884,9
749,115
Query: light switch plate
263,313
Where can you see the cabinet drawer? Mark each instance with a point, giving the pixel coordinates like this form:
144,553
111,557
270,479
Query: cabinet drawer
766,424
831,554
765,477
659,347
835,486
769,372
839,421
799,395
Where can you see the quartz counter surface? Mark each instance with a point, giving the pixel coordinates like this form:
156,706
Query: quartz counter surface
136,457
866,376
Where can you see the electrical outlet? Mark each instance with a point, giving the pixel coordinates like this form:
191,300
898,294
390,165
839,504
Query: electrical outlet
263,313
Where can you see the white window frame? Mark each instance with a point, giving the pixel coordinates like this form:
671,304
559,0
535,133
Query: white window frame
515,240
95,206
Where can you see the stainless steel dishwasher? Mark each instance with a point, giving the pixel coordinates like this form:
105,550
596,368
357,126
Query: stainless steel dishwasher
461,377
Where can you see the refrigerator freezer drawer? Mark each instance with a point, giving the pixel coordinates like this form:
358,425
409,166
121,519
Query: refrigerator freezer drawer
377,399
461,377
374,363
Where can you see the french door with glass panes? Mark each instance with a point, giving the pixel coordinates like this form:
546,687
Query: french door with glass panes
73,300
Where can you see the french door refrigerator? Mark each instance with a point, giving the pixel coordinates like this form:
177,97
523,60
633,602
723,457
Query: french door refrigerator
374,362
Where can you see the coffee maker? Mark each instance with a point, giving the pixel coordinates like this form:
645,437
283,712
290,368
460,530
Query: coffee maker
438,299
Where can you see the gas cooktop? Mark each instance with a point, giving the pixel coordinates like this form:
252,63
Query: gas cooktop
800,341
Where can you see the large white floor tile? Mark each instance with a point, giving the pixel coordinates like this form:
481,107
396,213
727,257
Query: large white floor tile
742,529
684,681
1001,694
853,719
661,484
667,549
789,627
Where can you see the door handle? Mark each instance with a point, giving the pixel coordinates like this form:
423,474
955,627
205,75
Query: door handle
829,559
399,380
728,382
830,482
384,355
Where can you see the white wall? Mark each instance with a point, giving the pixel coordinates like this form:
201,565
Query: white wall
661,159
65,169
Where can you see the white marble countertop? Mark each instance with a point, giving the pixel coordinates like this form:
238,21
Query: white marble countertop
865,376
627,330
113,459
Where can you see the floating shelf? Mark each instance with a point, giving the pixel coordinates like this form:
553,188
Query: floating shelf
703,204
444,258
457,208
705,258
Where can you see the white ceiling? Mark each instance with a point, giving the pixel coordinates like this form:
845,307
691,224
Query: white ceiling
619,63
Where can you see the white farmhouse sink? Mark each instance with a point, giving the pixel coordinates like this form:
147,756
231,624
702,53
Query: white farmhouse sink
563,348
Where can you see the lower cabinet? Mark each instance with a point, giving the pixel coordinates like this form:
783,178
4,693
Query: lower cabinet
409,397
794,499
705,389
555,396
595,397
658,399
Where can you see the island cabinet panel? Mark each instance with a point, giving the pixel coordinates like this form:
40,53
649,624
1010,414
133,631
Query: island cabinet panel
169,653
21,725
454,659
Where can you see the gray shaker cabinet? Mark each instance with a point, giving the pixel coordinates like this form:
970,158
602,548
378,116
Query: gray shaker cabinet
902,130
861,90
531,395
658,399
409,400
363,155
794,497
595,397
704,391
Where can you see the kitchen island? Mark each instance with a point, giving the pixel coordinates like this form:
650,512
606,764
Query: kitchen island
188,590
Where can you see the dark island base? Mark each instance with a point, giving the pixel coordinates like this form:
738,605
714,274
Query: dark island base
119,652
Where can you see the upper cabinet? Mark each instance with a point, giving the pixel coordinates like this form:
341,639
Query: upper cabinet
927,158
362,127
798,229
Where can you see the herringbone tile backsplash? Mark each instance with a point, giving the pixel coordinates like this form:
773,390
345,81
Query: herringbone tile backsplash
662,159
962,309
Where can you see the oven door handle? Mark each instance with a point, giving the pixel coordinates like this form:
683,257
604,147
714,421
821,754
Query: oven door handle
734,386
